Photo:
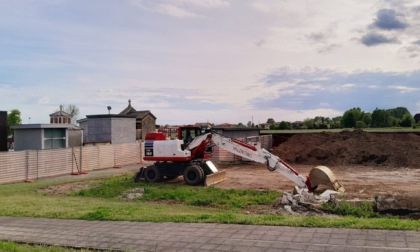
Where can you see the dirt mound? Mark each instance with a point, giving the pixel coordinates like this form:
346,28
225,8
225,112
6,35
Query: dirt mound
352,147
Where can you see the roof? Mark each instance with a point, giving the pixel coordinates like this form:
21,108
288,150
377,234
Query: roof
46,126
130,111
61,113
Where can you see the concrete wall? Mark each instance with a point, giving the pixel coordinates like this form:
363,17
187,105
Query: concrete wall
28,139
108,129
98,130
148,125
123,130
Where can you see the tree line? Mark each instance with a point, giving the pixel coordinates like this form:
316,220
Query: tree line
353,118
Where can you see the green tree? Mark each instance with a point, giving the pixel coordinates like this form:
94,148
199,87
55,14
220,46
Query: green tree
270,121
336,122
398,112
240,125
285,125
381,118
13,118
351,116
309,123
407,120
360,125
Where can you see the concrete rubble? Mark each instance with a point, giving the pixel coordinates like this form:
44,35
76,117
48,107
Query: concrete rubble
408,204
302,201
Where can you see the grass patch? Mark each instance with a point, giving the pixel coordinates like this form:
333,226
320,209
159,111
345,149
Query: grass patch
17,247
167,203
181,194
364,210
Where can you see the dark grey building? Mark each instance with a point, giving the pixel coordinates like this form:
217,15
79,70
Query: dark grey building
114,129
237,132
145,120
46,136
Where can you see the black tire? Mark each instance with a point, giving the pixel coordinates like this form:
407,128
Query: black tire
138,176
152,174
193,175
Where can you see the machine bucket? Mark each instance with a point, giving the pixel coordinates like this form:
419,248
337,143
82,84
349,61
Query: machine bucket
214,178
322,175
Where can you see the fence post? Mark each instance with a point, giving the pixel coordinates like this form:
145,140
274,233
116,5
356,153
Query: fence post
27,168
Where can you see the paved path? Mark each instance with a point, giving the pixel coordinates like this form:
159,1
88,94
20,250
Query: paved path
146,236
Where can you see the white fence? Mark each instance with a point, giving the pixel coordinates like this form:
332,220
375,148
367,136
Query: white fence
34,164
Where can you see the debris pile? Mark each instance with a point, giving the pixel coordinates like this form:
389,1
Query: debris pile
303,202
403,205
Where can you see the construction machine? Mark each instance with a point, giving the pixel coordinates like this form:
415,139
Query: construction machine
188,155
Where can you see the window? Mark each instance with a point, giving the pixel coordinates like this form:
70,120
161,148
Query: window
54,138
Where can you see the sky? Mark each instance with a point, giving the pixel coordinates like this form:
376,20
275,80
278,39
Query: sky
218,61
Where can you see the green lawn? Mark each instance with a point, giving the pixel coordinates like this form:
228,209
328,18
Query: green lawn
168,203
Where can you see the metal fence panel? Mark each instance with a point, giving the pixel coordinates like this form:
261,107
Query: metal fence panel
127,154
12,166
106,156
90,158
54,162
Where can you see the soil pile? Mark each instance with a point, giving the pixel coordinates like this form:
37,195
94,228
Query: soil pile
352,147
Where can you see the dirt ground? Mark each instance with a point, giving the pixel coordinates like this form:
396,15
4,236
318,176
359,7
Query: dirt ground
366,164
360,182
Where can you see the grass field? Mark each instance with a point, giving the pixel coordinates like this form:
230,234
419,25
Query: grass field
105,200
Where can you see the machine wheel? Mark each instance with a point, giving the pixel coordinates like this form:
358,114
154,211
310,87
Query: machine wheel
138,176
152,174
193,175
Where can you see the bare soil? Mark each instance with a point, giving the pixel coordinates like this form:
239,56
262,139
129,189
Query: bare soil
360,182
366,164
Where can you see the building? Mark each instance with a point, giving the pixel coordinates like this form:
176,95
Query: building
60,117
46,136
109,128
237,132
145,120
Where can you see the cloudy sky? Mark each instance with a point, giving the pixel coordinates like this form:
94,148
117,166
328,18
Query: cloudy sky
209,60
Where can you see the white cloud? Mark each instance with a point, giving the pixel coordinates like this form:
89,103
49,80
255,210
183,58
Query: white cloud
404,89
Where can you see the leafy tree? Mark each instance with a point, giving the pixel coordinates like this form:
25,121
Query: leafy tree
381,118
407,120
366,119
271,121
398,112
351,116
285,125
240,125
249,124
336,122
360,125
13,118
309,123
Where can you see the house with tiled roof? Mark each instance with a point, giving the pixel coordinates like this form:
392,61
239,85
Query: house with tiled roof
145,120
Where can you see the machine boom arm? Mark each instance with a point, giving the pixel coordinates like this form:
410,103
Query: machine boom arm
254,153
